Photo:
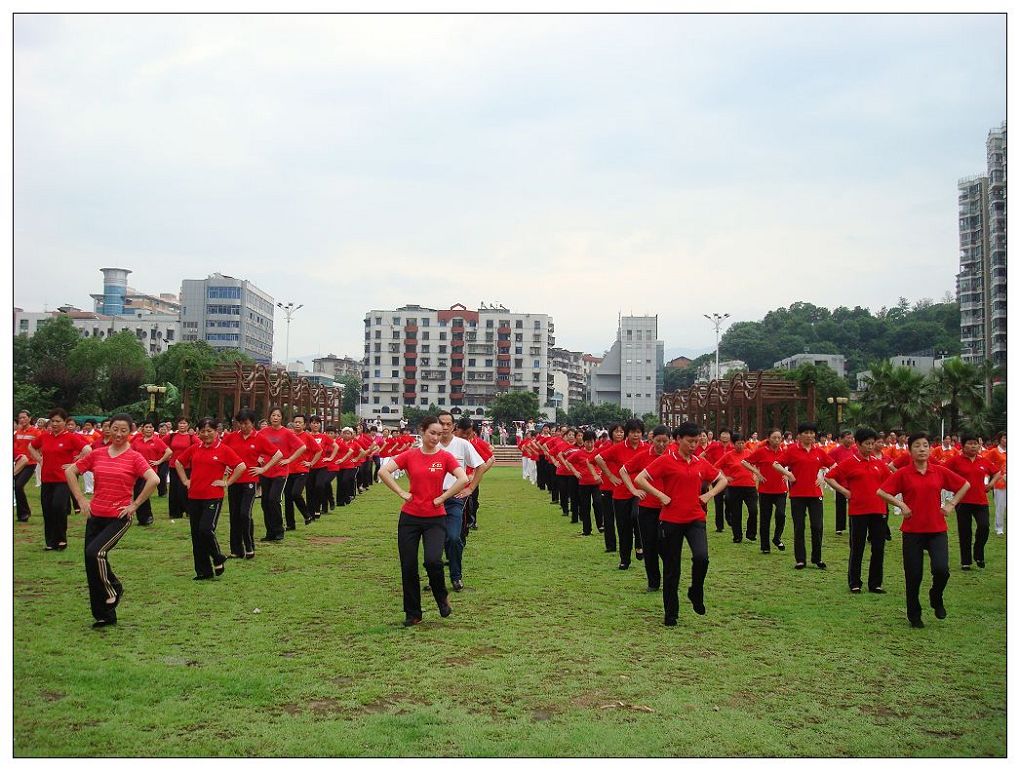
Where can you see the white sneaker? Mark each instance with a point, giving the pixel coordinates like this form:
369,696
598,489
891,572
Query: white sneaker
999,532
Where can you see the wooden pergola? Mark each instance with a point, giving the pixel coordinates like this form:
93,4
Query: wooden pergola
233,386
750,401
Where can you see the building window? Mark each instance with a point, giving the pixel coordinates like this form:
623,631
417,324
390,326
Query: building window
471,362
488,362
224,293
375,400
424,401
394,361
425,323
537,364
425,335
442,335
378,373
378,320
442,389
378,334
396,319
425,349
518,363
395,373
377,360
424,387
442,349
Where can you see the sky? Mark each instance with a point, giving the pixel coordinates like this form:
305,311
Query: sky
580,166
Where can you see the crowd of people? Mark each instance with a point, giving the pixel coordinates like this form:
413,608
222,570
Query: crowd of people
646,492
108,472
650,492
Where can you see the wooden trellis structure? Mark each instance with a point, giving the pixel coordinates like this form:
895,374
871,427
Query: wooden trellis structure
232,386
750,401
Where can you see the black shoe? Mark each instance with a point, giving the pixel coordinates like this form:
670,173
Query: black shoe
940,611
799,566
639,554
235,556
652,589
293,527
250,555
964,567
718,530
819,565
855,590
697,603
916,623
979,563
839,532
309,520
22,520
669,621
474,527
737,540
412,621
876,590
623,566
780,545
766,551
445,610
100,623
458,585
600,529
201,578
218,569
611,551
61,546
751,538
49,548
271,538
427,589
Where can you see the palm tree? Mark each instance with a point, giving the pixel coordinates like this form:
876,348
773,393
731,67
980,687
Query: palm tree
959,388
897,393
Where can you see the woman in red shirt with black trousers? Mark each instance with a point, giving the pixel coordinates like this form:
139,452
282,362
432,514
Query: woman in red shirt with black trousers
115,468
178,442
209,464
423,516
55,450
924,522
804,460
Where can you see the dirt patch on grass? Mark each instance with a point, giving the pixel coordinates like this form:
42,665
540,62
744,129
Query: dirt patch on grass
878,710
323,540
398,704
742,699
542,714
343,682
177,661
52,695
590,700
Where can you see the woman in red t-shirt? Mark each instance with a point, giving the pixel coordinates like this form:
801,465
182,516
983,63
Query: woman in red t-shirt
115,468
178,442
209,463
579,461
423,516
55,449
924,522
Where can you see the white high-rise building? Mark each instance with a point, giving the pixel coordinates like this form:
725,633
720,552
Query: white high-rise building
631,373
229,313
456,359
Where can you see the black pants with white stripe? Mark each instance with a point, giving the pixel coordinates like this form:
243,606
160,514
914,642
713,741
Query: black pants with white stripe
240,500
204,514
105,589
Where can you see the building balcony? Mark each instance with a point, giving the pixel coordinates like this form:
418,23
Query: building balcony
410,341
504,357
410,368
410,381
503,330
456,382
456,369
456,396
410,354
411,328
503,370
409,396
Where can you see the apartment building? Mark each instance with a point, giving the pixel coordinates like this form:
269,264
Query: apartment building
228,313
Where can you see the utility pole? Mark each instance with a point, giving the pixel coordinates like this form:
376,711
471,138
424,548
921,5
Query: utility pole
288,311
716,320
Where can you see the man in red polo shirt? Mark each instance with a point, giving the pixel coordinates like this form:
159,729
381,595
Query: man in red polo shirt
975,468
840,452
676,480
924,523
858,478
800,463
713,454
624,503
740,490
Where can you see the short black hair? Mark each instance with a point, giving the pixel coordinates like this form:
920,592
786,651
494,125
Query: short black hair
736,436
588,436
123,416
686,429
246,413
802,427
465,424
660,430
57,412
206,422
864,433
845,432
297,415
634,424
969,436
917,435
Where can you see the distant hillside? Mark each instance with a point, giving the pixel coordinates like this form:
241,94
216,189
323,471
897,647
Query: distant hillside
860,335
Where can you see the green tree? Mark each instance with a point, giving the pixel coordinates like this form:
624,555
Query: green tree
515,405
352,392
587,414
958,388
827,383
898,395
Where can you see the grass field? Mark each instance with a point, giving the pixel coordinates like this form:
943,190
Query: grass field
551,651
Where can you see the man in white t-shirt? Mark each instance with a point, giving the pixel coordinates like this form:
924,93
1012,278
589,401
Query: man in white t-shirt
468,457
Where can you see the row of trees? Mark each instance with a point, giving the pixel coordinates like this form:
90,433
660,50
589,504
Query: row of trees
57,367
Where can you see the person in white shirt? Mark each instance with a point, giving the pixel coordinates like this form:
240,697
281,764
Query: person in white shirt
467,456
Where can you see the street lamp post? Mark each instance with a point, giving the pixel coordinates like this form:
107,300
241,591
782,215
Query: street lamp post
288,311
839,401
716,320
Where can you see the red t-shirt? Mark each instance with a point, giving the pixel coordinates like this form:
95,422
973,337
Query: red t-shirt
57,452
615,456
251,451
974,471
151,450
484,450
762,459
557,446
426,474
839,453
324,443
22,438
635,466
580,458
207,465
997,457
862,478
300,466
805,465
284,440
681,480
178,443
730,465
114,479
715,450
923,494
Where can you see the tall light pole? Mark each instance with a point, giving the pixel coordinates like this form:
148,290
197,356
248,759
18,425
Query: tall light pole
716,320
288,310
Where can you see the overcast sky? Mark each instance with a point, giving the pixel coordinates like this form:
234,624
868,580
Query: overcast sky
579,166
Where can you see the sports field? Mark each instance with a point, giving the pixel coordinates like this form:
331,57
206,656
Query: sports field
550,651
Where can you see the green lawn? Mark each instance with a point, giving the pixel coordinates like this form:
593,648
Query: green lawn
551,651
